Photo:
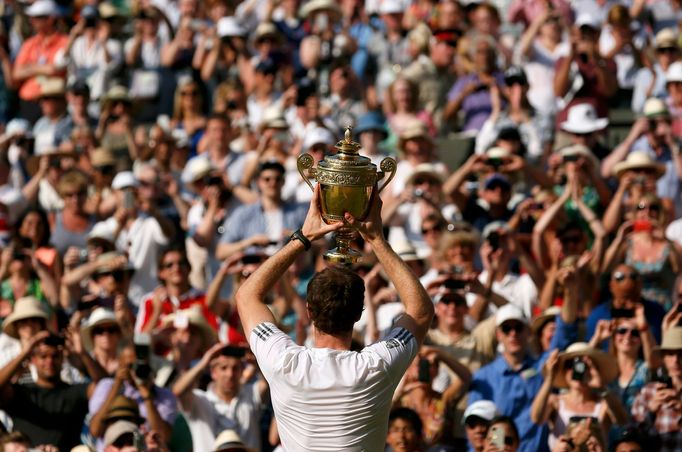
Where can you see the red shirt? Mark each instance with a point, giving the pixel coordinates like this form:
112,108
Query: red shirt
192,297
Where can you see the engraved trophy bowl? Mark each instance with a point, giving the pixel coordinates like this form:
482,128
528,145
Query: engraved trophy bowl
348,182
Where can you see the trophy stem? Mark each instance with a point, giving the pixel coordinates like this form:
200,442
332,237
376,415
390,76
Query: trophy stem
343,254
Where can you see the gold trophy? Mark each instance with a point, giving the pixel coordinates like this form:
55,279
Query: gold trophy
348,182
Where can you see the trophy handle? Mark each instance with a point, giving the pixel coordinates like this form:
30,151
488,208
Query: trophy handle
387,165
305,162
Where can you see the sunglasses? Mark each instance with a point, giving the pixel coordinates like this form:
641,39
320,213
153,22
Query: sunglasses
448,300
508,327
105,329
474,421
651,207
180,264
621,276
667,50
116,274
623,331
105,169
425,180
432,229
189,93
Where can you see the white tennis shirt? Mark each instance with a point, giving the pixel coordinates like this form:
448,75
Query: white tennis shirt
331,400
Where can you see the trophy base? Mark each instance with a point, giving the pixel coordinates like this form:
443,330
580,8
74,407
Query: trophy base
342,256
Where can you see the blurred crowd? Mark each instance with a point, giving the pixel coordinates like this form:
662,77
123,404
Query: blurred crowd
148,166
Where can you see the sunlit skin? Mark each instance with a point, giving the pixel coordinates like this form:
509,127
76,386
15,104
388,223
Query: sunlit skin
47,360
515,341
226,374
476,430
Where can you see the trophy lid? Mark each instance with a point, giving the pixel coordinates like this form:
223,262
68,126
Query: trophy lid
348,157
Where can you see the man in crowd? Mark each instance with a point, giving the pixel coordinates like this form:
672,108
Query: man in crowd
226,403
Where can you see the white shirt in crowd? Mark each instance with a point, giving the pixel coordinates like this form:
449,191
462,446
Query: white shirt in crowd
519,290
210,415
327,399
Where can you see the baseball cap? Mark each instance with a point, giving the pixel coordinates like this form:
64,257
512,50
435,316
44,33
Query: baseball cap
124,179
485,409
89,12
588,20
319,135
391,7
229,27
515,74
447,35
497,180
509,312
494,226
43,8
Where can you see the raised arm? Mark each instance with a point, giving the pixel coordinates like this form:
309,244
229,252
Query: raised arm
250,297
541,410
418,305
183,386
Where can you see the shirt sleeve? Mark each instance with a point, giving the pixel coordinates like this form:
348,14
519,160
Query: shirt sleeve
268,344
397,349
99,395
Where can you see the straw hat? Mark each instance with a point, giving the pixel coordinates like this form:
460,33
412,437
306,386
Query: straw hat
273,118
606,364
547,315
102,157
579,150
104,261
405,251
116,93
124,407
33,162
118,429
672,340
229,440
196,168
313,6
416,129
266,30
24,308
638,160
99,316
52,87
426,170
666,38
194,317
655,108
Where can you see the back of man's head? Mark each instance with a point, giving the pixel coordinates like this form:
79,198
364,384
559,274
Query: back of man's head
335,300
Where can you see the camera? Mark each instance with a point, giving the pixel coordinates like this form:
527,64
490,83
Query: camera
660,375
495,162
570,158
424,374
418,193
494,240
579,369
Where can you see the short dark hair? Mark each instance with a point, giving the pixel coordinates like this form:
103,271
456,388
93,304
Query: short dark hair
335,299
407,415
271,165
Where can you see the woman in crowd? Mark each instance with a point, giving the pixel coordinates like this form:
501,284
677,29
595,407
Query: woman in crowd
582,370
71,225
188,114
641,242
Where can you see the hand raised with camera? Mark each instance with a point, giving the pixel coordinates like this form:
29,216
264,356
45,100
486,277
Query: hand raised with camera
551,367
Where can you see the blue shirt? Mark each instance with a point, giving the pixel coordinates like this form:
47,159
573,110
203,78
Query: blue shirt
249,220
653,312
513,392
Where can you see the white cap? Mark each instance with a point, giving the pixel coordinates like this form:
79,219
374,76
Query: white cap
485,409
43,8
117,429
196,168
101,230
674,72
124,179
229,27
588,20
391,7
509,312
316,136
17,126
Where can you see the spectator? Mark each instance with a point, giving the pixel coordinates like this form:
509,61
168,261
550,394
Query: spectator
51,410
227,403
589,369
38,56
657,406
101,336
264,223
514,371
673,82
404,430
650,81
477,418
